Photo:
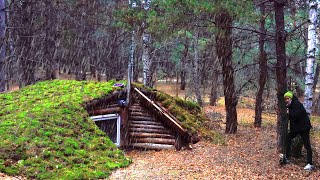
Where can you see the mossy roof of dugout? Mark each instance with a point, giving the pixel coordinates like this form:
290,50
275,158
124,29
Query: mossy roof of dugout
46,133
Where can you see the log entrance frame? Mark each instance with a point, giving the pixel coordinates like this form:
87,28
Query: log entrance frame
109,106
110,117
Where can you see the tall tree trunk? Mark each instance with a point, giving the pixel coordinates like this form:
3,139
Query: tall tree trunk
281,73
214,79
262,67
316,101
146,39
27,67
183,61
311,54
195,79
2,46
224,52
213,90
132,4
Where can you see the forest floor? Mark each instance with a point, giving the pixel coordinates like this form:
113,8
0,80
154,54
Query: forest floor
251,153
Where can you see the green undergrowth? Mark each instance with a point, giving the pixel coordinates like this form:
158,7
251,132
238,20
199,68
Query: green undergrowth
46,133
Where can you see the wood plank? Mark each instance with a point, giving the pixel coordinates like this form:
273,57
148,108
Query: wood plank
138,134
142,118
136,108
105,111
144,114
152,146
154,140
146,122
147,126
148,130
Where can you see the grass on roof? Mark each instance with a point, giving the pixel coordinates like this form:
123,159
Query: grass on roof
46,133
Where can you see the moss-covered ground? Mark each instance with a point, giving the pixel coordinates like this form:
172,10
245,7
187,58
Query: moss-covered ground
45,133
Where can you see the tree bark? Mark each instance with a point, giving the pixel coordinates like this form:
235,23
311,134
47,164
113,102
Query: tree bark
224,53
263,68
281,73
311,54
183,65
2,46
146,39
213,90
195,79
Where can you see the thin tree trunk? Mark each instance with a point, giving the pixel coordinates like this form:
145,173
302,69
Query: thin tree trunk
308,93
213,90
281,73
316,99
183,65
224,53
132,4
27,62
262,67
146,39
195,70
2,46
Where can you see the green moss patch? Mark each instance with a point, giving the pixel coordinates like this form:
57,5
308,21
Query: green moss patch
46,133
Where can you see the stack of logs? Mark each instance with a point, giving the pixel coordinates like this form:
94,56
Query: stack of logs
146,132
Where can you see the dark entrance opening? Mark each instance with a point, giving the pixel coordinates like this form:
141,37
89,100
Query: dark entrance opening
110,124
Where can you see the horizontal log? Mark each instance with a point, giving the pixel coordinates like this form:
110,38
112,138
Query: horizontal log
110,105
142,118
138,110
105,111
136,106
146,122
150,135
154,140
149,130
147,126
152,146
112,97
140,114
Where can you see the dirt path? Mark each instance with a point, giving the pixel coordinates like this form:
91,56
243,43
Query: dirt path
249,154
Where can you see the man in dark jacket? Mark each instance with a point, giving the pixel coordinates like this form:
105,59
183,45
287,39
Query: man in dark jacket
299,125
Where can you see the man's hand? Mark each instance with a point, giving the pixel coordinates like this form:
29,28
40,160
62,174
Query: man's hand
287,110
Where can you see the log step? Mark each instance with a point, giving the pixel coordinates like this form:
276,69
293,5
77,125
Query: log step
146,122
146,126
142,114
154,140
143,130
142,118
136,108
150,135
152,146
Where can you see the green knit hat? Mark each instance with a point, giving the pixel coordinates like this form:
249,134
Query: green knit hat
288,94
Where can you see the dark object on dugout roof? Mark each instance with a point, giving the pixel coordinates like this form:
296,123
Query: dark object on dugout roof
122,103
119,85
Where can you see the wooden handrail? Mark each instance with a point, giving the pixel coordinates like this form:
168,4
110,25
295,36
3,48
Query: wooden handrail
161,111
